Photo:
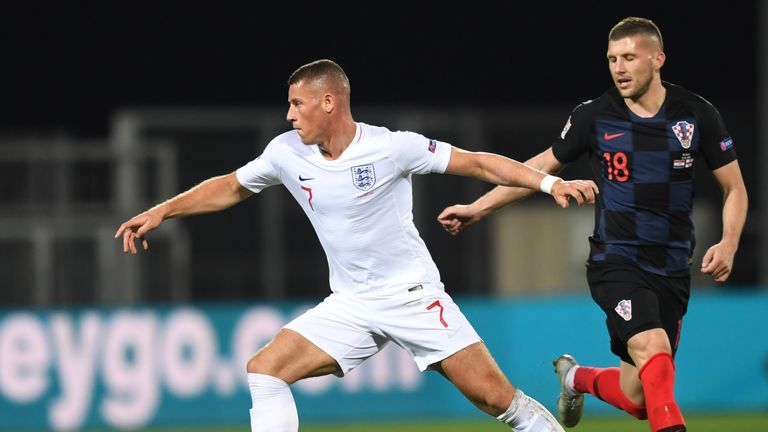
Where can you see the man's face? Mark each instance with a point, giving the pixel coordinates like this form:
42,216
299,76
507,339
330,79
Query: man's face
633,61
305,111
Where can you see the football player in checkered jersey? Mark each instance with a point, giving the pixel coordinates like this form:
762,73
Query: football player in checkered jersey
642,138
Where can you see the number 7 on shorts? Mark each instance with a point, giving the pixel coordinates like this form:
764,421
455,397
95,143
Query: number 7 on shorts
436,303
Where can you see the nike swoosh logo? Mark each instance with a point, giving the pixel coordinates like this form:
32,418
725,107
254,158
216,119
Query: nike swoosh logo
607,136
305,178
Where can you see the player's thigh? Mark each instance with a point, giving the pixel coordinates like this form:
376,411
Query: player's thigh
341,327
672,294
427,323
629,300
291,357
675,293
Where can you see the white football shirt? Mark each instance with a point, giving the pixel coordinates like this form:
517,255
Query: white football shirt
359,204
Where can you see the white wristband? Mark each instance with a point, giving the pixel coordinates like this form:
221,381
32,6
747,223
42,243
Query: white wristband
547,182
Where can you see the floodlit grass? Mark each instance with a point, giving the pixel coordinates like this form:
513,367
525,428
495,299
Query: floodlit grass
699,423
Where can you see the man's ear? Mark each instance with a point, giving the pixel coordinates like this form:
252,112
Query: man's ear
329,103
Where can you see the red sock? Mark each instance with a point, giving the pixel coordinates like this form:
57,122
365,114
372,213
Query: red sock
658,377
604,385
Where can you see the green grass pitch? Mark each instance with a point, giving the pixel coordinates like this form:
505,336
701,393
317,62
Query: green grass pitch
696,422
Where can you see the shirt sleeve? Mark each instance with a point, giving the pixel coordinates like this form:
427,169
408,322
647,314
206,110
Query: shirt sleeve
715,144
261,172
418,154
573,142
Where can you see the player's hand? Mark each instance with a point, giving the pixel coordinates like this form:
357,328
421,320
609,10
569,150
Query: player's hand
718,261
136,228
583,191
457,217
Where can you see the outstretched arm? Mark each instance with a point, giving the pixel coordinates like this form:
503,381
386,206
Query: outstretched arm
504,171
457,217
718,261
214,194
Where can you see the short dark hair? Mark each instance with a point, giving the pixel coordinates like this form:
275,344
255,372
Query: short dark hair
321,71
632,26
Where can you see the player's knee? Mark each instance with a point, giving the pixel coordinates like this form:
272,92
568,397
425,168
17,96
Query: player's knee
265,364
643,346
495,402
256,365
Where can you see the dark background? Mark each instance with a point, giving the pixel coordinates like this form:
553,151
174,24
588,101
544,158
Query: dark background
67,68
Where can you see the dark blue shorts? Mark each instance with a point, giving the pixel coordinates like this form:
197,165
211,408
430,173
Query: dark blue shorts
635,300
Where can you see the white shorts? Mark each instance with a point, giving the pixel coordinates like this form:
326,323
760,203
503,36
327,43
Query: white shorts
423,321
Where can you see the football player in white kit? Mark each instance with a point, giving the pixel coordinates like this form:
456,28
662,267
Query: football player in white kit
353,181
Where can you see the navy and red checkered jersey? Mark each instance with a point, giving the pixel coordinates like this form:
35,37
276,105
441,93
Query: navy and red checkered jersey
644,168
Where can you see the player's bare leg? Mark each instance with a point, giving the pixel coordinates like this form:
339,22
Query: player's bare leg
630,383
474,372
287,359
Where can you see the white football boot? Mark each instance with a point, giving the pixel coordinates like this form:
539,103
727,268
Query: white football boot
571,403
